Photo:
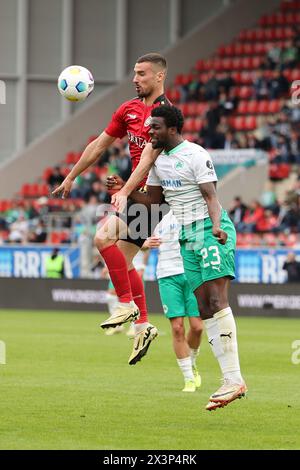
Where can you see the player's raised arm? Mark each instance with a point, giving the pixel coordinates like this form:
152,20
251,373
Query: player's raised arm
208,191
148,157
92,152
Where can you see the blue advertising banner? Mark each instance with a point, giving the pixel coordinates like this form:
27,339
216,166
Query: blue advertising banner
252,266
262,265
29,261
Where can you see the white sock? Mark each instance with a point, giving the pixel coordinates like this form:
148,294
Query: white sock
138,327
230,359
213,335
127,304
185,366
226,356
112,301
194,354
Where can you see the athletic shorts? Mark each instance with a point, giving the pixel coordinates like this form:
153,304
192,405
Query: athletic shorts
176,297
204,258
141,221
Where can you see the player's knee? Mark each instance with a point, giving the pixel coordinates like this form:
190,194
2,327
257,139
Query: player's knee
178,331
197,327
101,240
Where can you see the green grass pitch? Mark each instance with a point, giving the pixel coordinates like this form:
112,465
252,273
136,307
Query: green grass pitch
68,386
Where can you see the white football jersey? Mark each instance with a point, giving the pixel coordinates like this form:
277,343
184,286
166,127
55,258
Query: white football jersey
180,172
169,258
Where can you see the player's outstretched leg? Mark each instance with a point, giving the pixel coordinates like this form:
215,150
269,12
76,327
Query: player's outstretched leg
182,352
145,332
105,240
221,331
112,301
193,339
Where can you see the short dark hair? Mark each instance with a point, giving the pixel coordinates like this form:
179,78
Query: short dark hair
154,58
173,116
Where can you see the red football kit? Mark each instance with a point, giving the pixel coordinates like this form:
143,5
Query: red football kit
133,119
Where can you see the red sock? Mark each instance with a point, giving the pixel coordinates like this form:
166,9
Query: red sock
138,293
118,271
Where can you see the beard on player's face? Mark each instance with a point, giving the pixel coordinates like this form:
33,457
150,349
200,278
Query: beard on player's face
158,144
144,91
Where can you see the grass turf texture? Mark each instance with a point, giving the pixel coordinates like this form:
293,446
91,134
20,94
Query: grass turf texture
68,386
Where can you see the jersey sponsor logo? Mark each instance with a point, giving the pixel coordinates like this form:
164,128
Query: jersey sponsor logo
148,121
178,165
171,183
139,141
209,165
132,116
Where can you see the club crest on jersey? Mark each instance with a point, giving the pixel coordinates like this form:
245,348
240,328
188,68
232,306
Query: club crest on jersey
148,121
178,165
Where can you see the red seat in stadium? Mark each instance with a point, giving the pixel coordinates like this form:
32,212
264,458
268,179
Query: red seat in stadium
222,51
71,158
259,48
279,171
192,125
242,107
25,190
47,173
238,123
218,64
188,125
245,92
290,5
43,190
243,35
240,240
289,240
247,48
183,108
246,78
228,63
250,123
65,171
174,95
248,239
273,106
239,48
237,76
253,107
263,106
270,239
192,109
199,65
5,205
202,109
292,240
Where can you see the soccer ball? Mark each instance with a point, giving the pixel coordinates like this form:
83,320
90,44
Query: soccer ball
75,83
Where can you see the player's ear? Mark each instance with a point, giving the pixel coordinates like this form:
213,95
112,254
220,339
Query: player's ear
160,76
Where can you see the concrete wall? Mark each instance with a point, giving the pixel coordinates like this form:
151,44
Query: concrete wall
247,183
39,38
92,118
